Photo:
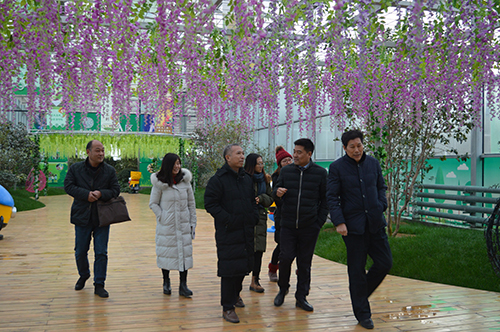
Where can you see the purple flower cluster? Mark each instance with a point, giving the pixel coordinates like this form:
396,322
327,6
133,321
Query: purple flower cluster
338,58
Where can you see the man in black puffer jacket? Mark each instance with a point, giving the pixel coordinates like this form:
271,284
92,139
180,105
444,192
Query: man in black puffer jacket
357,201
301,188
230,199
89,181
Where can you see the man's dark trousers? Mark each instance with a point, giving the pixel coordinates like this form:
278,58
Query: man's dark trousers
297,243
230,288
83,236
362,284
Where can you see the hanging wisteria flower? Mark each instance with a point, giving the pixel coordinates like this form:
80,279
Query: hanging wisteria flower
338,58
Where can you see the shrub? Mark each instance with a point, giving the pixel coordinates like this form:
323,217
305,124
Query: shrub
17,152
7,179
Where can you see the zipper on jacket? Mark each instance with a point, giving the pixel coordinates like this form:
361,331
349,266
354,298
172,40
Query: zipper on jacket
91,188
298,200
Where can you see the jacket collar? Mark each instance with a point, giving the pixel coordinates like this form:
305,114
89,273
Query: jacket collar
188,176
227,169
354,162
306,167
87,164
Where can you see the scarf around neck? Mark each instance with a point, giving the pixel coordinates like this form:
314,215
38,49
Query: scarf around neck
258,178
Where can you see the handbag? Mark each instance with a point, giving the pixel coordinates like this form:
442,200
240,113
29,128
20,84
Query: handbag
112,211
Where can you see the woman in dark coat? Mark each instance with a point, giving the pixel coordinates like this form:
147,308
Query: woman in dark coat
283,158
254,166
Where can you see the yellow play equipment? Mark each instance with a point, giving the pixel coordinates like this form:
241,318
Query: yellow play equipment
7,208
134,180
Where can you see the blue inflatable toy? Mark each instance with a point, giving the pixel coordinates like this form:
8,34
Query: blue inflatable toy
7,208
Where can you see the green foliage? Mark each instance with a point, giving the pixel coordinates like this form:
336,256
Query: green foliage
128,146
155,165
7,179
35,161
189,158
123,176
438,254
210,141
199,195
16,153
403,148
123,163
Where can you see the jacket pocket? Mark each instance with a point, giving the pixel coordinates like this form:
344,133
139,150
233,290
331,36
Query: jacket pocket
235,222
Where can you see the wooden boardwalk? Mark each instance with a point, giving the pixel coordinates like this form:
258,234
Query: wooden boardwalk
38,273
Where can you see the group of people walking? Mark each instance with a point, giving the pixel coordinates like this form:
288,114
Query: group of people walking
238,196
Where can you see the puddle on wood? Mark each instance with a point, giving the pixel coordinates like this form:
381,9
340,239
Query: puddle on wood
416,311
7,256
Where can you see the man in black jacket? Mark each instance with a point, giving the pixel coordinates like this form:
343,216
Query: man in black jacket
301,188
88,182
356,198
230,199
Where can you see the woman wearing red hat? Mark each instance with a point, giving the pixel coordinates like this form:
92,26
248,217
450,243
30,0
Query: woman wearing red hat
283,158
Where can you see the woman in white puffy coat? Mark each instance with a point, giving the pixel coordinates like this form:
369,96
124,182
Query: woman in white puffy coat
172,201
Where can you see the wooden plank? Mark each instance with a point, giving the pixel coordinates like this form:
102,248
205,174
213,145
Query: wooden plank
38,272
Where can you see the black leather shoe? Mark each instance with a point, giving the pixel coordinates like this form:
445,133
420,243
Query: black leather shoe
239,303
167,290
81,283
280,298
367,323
99,290
184,290
230,316
303,304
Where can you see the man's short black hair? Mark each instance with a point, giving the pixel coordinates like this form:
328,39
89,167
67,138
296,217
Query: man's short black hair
89,145
351,134
306,143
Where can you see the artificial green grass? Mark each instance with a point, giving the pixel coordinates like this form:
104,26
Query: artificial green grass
145,190
198,195
24,200
439,254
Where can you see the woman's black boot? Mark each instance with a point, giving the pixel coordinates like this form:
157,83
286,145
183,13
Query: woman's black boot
166,282
183,288
166,287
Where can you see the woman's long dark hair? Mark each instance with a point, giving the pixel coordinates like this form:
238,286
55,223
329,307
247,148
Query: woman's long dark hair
251,162
167,165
